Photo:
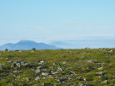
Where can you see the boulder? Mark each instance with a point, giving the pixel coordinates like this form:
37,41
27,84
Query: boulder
16,64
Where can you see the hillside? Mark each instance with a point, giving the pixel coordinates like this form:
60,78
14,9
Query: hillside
26,45
64,67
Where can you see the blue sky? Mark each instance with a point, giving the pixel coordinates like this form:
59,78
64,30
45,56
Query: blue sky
55,20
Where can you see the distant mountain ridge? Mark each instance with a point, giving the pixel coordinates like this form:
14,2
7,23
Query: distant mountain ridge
78,44
27,45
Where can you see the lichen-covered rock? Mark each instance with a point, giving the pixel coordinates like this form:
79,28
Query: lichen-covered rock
37,78
100,68
16,64
44,74
102,73
38,70
105,82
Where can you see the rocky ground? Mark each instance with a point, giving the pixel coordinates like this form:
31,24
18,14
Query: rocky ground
70,67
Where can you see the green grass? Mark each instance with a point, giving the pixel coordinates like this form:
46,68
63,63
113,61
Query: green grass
74,63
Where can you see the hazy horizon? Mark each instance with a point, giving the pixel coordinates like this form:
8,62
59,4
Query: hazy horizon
50,21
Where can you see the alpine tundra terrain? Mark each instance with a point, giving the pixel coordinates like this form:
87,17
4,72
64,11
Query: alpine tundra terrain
63,67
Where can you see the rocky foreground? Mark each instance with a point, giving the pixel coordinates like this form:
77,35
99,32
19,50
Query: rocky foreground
71,67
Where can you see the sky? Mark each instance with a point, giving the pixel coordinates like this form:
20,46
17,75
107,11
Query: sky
56,20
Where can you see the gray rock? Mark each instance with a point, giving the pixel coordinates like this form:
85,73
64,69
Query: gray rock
59,69
19,51
64,62
56,64
110,51
102,64
16,64
62,80
44,74
79,78
42,67
101,73
100,68
105,82
72,84
38,71
81,84
92,61
2,64
11,61
46,84
37,78
41,62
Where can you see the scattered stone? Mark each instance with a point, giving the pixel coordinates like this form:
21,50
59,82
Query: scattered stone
64,62
2,64
62,80
101,73
42,67
92,61
110,51
100,68
38,70
81,84
105,82
41,62
66,75
59,69
11,61
79,78
19,64
44,74
102,64
32,51
72,84
37,78
46,84
19,51
56,64
85,85
85,79
16,64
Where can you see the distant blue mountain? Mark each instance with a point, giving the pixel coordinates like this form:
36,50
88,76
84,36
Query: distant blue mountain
62,44
27,45
73,44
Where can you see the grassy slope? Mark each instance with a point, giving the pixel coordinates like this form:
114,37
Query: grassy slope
75,64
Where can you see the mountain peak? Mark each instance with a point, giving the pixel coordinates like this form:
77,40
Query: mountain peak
27,45
25,41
